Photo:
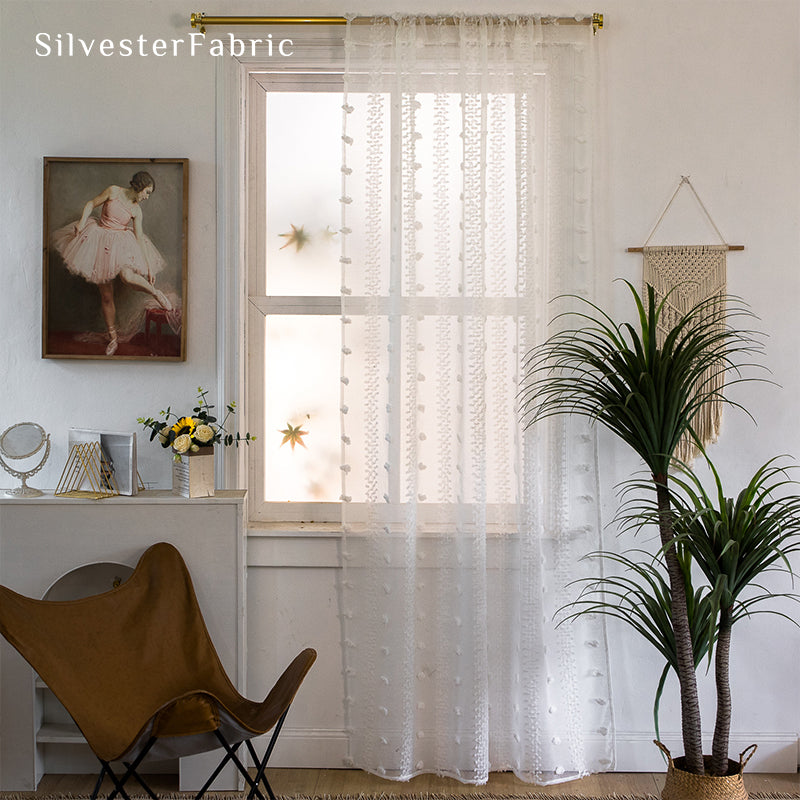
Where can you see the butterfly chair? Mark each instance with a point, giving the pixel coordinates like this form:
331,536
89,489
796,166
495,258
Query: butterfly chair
136,669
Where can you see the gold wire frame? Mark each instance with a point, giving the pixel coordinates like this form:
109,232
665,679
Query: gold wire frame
87,464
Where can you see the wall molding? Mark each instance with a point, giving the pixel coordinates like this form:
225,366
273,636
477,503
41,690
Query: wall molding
230,327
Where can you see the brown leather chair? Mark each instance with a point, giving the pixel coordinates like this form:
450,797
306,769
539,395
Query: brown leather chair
137,671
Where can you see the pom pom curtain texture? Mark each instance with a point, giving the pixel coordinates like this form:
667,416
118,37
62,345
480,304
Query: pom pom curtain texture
466,207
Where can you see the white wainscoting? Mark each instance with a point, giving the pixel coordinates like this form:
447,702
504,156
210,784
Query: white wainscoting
292,603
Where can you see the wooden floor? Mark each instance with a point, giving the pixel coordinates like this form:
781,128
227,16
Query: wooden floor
354,782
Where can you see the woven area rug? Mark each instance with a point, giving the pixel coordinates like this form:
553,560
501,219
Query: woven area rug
537,794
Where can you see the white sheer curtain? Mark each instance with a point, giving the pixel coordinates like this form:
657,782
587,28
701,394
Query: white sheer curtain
466,208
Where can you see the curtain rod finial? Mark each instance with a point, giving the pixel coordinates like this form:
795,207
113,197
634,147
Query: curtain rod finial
196,20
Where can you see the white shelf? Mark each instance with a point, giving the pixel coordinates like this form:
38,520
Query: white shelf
146,497
59,733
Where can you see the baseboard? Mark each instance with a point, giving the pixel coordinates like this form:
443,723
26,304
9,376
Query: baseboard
78,759
777,752
308,747
327,749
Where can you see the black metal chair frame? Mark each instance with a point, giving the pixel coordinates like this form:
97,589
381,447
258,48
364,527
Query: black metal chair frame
230,755
130,772
260,763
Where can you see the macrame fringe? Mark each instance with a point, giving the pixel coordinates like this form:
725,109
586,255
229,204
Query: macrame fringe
687,275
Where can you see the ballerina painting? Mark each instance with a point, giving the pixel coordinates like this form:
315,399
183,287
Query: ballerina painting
113,290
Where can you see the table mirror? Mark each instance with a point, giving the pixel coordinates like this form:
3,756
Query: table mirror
22,442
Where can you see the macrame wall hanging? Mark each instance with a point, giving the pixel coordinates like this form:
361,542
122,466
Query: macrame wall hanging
687,275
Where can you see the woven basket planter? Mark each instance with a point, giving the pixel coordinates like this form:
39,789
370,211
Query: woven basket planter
682,785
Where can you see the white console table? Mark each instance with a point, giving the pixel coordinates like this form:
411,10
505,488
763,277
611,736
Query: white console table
43,539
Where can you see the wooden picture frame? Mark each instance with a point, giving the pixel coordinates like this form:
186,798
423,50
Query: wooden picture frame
115,258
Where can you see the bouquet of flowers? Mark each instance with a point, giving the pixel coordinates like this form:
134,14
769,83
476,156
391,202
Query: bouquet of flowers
188,434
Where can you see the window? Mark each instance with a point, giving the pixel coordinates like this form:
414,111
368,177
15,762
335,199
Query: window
294,182
294,338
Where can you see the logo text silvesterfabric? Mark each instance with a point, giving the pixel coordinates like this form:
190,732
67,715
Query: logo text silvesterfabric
67,45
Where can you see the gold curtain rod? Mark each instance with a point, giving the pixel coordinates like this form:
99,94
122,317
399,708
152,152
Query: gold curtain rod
200,19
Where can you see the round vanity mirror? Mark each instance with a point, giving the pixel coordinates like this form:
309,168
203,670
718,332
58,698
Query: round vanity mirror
23,441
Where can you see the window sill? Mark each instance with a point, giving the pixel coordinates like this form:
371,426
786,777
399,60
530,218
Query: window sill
291,528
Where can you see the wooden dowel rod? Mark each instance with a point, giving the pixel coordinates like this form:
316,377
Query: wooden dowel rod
641,249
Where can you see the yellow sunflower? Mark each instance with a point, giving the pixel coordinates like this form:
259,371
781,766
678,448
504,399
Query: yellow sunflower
184,425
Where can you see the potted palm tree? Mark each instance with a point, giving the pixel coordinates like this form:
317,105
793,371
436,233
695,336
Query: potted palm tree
650,389
735,542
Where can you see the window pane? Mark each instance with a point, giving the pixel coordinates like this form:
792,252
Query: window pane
301,391
439,185
303,186
297,270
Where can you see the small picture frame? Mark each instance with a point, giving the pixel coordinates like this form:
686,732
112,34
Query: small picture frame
115,258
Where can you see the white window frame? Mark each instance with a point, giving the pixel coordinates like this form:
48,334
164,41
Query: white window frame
315,50
260,304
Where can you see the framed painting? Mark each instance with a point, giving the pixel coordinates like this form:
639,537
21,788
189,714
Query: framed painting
115,258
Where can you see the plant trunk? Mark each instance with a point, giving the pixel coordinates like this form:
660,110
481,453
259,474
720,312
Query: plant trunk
719,751
687,678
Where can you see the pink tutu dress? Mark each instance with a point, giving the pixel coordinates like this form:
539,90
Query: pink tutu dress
105,247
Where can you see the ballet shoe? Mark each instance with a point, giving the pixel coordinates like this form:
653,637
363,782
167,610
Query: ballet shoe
113,344
162,299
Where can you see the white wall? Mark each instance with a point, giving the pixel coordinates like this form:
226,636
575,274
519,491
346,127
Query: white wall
711,90
137,107
697,87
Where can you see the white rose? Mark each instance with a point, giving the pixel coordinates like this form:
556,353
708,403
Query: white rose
182,443
204,433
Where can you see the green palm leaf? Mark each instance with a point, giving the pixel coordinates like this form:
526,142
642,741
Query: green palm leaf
640,598
618,375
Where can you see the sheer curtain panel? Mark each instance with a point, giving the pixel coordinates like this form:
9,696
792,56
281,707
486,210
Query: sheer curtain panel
466,208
